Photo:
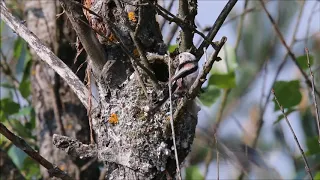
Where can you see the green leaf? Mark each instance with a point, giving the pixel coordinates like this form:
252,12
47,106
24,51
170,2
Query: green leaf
25,111
25,85
280,117
17,156
288,93
210,95
9,107
18,46
223,72
172,48
228,63
25,88
313,146
193,173
31,169
20,128
223,80
303,61
317,176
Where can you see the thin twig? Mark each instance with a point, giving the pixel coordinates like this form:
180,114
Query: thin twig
293,57
163,22
171,122
89,110
263,108
21,144
218,163
216,26
294,135
172,32
313,11
86,35
164,13
313,95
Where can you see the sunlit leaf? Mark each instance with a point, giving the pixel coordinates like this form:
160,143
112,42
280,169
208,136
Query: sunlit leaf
303,62
228,63
172,48
288,93
210,95
317,176
280,117
193,173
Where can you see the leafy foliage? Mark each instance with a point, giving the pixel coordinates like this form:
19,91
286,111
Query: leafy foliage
193,173
288,93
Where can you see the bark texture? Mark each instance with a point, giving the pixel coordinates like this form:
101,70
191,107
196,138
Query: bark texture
132,142
58,110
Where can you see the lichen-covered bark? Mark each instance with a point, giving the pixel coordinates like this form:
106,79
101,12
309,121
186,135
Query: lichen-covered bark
133,143
58,110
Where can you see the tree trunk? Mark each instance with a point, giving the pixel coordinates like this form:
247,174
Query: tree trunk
58,110
133,140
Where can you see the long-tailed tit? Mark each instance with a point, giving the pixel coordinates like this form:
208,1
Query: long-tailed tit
184,77
186,73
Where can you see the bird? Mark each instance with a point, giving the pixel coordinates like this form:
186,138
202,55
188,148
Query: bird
186,73
184,77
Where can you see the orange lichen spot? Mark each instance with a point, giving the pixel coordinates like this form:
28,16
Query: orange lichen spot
33,72
136,53
113,119
112,38
132,16
69,126
62,167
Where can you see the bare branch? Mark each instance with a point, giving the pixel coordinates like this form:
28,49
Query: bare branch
46,55
21,144
74,147
86,35
293,57
216,26
171,122
165,14
187,12
313,95
294,135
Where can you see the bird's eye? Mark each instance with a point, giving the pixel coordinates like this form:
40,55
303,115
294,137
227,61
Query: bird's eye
180,56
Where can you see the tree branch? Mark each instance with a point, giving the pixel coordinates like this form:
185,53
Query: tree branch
290,53
87,37
21,144
46,55
74,147
216,26
187,12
